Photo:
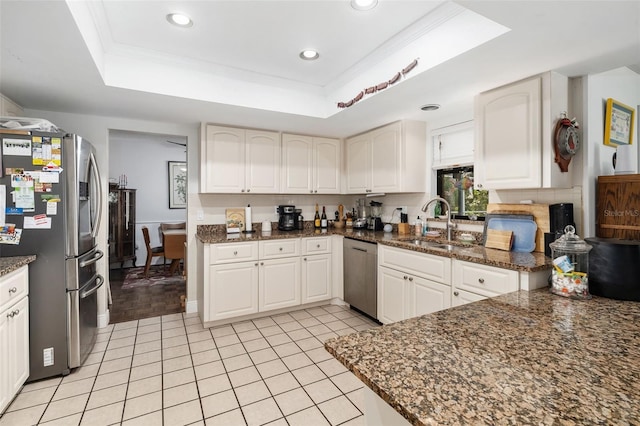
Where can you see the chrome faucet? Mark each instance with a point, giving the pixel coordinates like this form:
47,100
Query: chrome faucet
449,222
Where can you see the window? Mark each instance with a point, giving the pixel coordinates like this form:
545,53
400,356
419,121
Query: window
453,161
456,186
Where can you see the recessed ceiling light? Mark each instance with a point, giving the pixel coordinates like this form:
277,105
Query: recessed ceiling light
364,4
430,107
309,55
179,20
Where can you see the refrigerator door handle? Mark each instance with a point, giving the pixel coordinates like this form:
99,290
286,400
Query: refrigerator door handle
99,280
96,256
98,211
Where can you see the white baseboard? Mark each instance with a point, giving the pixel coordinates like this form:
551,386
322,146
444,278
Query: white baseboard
103,319
192,306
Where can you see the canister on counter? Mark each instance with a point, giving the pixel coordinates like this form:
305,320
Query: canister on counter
569,276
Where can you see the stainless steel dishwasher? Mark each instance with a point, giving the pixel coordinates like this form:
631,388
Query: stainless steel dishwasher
361,276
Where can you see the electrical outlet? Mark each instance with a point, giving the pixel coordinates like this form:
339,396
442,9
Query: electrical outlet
200,215
404,209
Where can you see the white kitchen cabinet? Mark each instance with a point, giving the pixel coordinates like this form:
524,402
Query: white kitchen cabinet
390,159
474,281
14,334
279,283
514,134
8,108
316,269
411,283
310,165
235,160
233,290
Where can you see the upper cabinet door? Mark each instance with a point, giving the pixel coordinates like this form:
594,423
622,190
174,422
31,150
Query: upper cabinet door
222,159
508,150
297,164
262,162
386,154
359,164
326,166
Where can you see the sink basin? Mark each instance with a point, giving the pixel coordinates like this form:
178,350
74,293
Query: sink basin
431,244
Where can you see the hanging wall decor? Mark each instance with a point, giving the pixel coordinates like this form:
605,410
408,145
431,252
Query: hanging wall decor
618,125
381,86
177,185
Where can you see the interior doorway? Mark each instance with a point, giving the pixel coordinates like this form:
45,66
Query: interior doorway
147,188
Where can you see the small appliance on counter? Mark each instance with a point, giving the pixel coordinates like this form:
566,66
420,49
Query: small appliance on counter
614,268
560,216
287,220
375,220
361,221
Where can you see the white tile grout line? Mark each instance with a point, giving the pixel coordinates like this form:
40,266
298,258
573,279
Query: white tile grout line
165,319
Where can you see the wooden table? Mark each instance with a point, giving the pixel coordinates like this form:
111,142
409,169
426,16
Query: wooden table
173,242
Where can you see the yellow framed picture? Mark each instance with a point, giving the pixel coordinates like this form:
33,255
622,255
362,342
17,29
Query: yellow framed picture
618,125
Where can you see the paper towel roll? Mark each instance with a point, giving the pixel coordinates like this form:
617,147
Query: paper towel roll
248,226
626,160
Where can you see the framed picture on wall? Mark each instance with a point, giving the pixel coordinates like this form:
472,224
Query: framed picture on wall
177,185
618,125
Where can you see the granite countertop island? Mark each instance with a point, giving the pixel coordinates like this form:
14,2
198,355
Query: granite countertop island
528,262
521,358
10,264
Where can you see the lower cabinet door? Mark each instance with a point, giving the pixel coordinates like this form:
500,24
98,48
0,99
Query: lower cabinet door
233,290
14,350
279,283
461,297
316,278
428,296
392,295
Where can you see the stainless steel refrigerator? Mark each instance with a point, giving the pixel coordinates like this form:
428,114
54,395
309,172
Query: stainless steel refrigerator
53,197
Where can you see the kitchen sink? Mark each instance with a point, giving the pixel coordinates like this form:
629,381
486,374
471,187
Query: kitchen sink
430,244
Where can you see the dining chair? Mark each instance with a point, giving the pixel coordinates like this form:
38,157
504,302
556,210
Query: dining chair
151,251
164,226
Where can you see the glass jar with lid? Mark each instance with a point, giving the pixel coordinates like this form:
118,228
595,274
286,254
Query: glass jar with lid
569,276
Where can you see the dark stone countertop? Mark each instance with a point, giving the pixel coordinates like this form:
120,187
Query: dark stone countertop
520,358
527,262
10,264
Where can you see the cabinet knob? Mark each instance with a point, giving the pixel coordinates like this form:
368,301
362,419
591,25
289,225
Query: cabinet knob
305,259
10,315
479,185
13,290
262,263
405,277
235,253
255,264
410,278
242,190
318,246
455,293
311,191
248,190
280,249
316,191
481,280
16,312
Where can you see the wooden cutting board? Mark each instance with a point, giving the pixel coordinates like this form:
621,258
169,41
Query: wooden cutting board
540,214
502,240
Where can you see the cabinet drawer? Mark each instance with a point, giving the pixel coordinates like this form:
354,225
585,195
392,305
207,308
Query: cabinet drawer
484,280
432,267
273,249
320,245
13,287
233,252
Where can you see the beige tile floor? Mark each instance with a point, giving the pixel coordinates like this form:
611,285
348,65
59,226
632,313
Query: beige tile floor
170,370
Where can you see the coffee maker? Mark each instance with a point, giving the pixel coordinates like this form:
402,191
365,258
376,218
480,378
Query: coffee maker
287,220
560,215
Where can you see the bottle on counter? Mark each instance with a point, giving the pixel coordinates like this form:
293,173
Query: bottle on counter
316,218
418,227
323,219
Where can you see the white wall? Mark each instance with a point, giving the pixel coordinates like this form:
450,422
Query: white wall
144,158
96,129
623,85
